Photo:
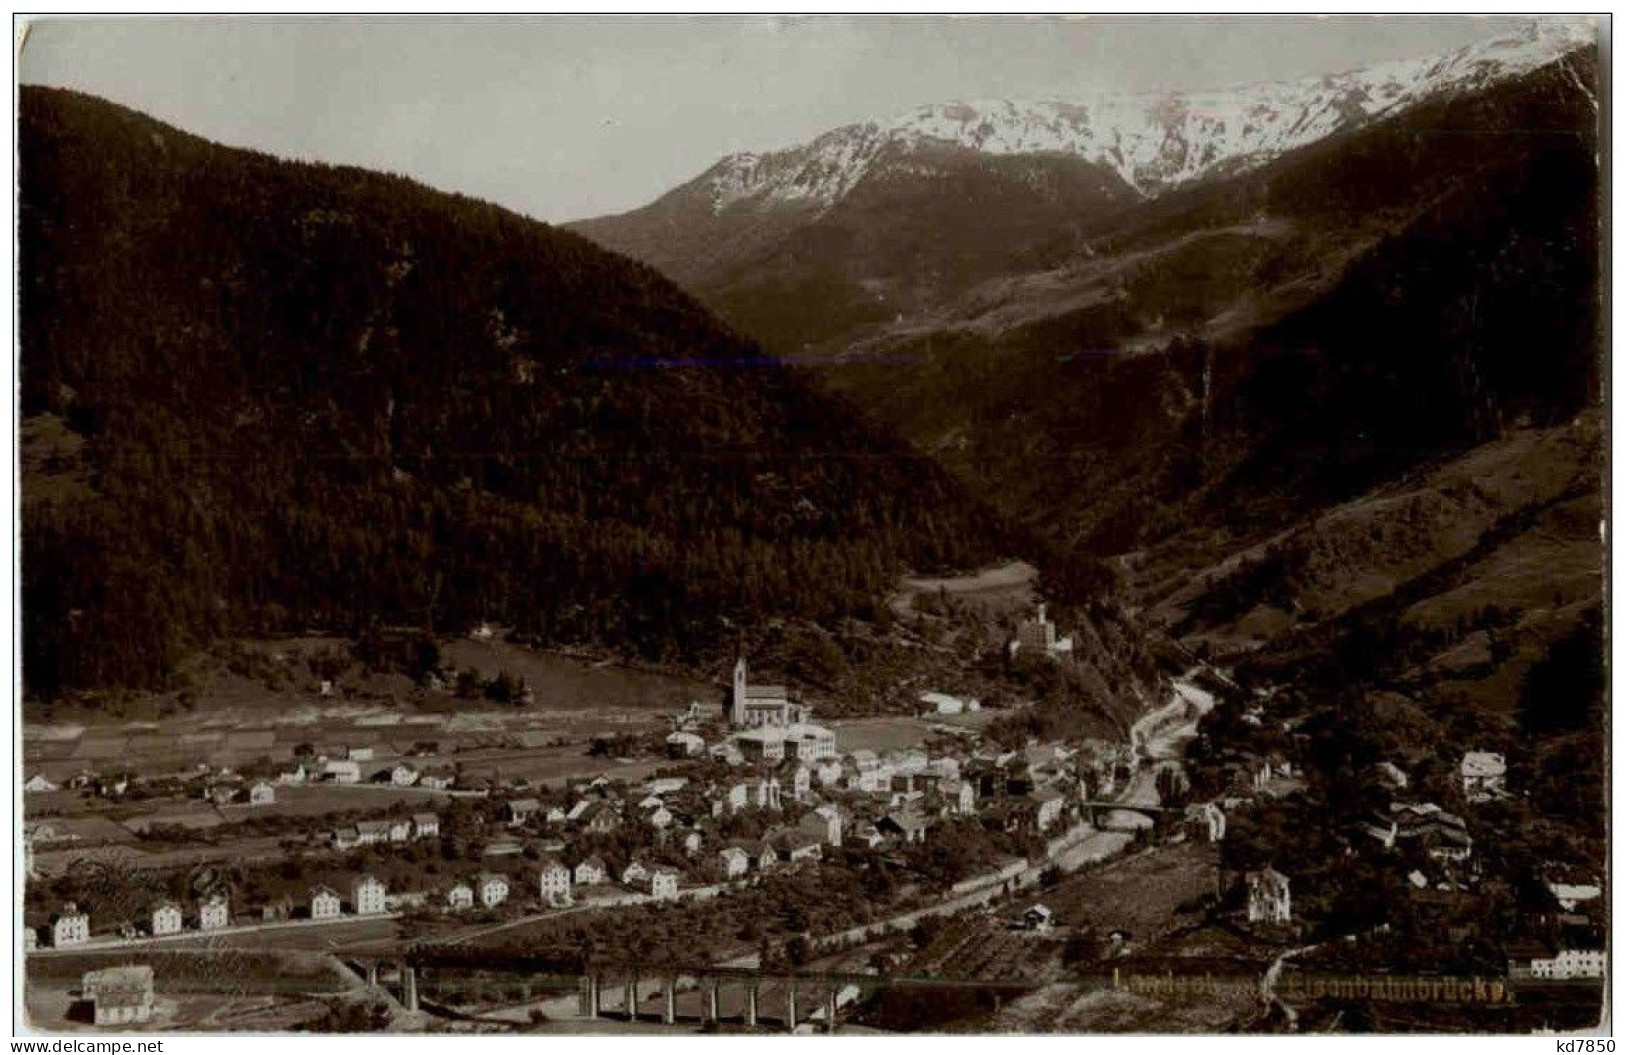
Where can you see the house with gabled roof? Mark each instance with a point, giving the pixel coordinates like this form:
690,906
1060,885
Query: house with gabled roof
70,927
460,897
553,880
906,825
368,894
1269,897
492,888
214,913
518,811
797,846
591,871
167,918
735,861
824,824
601,817
325,903
663,882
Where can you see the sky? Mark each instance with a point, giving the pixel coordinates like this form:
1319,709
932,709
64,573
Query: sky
562,118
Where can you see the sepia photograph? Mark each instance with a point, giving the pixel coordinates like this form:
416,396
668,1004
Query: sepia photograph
704,525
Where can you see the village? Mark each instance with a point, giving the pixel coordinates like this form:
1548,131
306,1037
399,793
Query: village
740,790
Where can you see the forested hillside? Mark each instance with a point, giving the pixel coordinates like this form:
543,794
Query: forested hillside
260,396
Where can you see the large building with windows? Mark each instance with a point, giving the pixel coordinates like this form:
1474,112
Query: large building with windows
1037,636
759,706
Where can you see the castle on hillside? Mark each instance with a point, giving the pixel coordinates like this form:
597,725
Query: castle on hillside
759,706
1038,636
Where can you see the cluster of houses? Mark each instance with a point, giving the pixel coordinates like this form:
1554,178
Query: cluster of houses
395,830
355,765
1441,835
71,925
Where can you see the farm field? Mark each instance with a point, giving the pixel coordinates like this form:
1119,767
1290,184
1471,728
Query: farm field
1000,589
55,862
195,989
1136,894
880,734
562,683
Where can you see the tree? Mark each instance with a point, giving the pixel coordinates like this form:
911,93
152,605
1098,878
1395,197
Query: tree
1565,690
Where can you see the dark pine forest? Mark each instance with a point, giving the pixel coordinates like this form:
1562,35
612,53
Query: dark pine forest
263,397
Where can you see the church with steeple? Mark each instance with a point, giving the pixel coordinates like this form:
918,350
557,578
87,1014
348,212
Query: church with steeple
762,706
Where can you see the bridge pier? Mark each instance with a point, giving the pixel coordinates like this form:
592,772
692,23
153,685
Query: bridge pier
372,976
752,993
829,1011
409,987
712,1008
790,1008
669,1015
632,1000
589,996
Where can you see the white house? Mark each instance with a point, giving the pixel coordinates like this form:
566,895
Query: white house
325,904
798,779
166,919
518,811
635,873
460,897
762,745
942,703
38,783
1038,918
735,862
425,825
663,883
824,823
1269,897
960,796
590,871
1570,895
372,833
368,895
1050,803
70,927
342,771
263,793
119,996
684,745
554,881
808,742
403,775
1483,775
492,887
214,914
760,793
1571,963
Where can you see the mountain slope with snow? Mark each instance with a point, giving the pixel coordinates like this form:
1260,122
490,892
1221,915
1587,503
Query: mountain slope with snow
1153,142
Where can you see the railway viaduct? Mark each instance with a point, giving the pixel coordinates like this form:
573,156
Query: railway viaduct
756,997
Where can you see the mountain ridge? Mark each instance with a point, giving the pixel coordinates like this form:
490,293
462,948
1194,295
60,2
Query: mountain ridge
1153,141
259,396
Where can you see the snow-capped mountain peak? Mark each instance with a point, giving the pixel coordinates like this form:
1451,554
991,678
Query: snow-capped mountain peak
1154,142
